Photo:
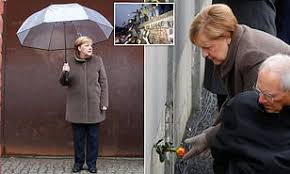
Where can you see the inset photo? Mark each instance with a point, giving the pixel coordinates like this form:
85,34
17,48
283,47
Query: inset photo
144,24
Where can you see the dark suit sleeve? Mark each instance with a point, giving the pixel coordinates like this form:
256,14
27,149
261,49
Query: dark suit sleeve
221,138
225,114
223,144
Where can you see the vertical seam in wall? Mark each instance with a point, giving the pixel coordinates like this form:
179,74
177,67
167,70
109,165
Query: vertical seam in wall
2,66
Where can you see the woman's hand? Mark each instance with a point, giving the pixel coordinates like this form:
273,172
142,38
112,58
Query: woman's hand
65,67
104,108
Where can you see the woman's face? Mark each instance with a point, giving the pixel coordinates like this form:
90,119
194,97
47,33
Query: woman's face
215,50
85,50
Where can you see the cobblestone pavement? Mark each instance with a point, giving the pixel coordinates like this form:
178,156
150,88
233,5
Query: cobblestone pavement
199,120
64,165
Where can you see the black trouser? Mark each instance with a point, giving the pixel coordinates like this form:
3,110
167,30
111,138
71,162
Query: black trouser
85,134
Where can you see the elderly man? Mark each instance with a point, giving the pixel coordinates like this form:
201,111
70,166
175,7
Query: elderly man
254,137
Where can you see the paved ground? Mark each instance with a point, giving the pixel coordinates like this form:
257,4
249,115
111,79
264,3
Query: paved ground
64,165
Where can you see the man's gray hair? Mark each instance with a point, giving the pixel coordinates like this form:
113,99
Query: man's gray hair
279,63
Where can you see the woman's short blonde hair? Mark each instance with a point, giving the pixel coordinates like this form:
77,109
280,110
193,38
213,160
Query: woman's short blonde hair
214,21
81,40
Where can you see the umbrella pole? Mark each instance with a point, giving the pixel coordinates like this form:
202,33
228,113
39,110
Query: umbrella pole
65,59
66,74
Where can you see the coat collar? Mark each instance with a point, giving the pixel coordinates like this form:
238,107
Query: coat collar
228,65
80,60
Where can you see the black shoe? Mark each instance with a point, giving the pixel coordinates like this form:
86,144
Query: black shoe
93,170
77,168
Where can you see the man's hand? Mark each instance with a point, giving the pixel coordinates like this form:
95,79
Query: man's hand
199,145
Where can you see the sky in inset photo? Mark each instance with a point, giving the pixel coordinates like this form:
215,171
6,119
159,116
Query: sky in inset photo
124,12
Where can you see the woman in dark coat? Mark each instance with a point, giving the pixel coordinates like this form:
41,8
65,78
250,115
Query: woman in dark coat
236,50
87,101
256,14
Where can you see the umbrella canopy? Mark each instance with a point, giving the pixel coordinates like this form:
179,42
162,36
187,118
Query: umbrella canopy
57,26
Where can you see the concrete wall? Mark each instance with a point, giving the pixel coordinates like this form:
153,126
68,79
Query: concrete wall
173,75
168,79
189,66
184,65
155,61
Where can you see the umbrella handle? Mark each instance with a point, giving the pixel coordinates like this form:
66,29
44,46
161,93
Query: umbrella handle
66,77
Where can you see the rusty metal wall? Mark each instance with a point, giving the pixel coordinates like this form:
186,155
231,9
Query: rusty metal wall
34,102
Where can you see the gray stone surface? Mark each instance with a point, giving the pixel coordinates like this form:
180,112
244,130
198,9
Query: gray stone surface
199,120
64,166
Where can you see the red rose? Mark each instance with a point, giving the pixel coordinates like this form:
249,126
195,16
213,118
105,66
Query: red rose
180,151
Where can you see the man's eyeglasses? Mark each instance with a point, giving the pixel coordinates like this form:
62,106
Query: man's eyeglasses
268,97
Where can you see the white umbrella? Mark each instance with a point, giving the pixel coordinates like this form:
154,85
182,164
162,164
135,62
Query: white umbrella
57,26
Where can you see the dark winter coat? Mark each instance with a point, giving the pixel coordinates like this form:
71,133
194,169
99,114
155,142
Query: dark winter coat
252,140
87,90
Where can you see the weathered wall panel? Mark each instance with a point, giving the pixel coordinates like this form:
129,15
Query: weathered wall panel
34,101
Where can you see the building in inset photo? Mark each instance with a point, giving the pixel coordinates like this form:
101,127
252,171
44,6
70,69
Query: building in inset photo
144,23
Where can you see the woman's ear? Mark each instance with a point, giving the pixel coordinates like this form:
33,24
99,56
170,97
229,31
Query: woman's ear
79,48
